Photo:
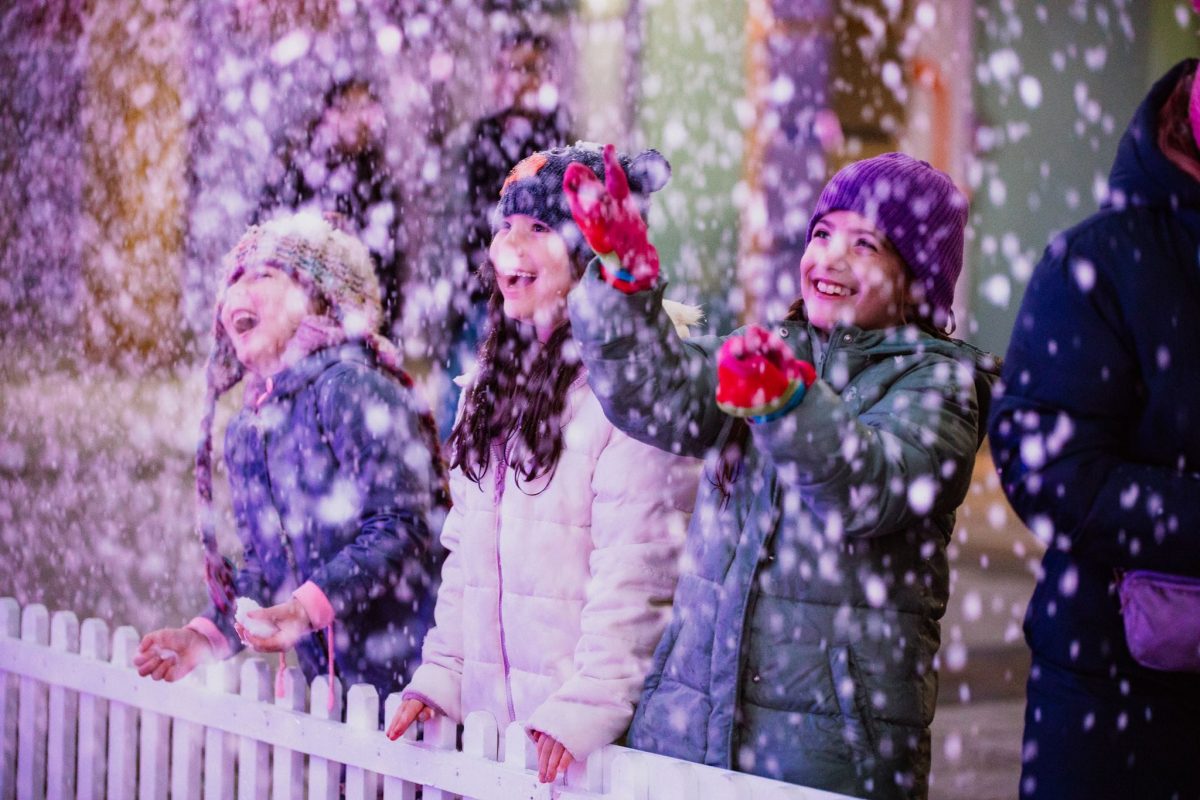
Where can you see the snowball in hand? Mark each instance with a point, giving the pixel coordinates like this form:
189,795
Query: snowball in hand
254,627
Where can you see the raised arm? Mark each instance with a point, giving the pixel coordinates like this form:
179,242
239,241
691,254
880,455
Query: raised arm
653,386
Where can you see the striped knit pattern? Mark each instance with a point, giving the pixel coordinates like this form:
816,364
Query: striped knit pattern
918,208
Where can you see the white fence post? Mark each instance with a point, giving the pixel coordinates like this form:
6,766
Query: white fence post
481,736
288,770
93,717
10,628
187,754
254,757
64,715
628,777
440,733
394,788
362,713
122,725
219,752
323,774
591,775
31,716
154,753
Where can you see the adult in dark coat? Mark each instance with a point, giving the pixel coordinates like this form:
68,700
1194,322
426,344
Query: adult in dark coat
339,165
1097,440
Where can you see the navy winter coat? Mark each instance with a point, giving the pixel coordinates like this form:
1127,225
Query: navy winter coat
332,468
1097,435
1097,440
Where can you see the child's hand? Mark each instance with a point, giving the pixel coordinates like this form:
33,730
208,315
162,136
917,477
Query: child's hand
171,653
409,712
553,758
291,624
611,224
758,378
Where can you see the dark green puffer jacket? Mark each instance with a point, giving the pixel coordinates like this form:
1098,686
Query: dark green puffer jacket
805,621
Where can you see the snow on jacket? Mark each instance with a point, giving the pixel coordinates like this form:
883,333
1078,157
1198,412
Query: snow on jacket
1097,433
805,623
556,591
331,467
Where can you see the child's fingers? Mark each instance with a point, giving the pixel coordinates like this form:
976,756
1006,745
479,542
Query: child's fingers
553,761
146,665
164,667
409,711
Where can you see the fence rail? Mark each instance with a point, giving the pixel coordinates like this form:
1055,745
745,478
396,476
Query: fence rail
78,722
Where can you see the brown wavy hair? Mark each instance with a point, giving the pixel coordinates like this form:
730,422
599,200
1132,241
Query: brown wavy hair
518,397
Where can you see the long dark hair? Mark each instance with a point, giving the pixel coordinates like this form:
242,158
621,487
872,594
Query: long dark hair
518,397
732,451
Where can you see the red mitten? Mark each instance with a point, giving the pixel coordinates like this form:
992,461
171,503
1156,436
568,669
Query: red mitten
758,378
610,222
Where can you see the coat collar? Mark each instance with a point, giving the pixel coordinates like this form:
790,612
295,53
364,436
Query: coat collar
1141,174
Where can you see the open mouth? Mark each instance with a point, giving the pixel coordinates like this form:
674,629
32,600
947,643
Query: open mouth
517,279
243,321
831,289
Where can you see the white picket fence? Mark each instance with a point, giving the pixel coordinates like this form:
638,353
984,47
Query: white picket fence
78,722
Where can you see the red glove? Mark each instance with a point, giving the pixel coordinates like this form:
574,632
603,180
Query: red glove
758,378
611,224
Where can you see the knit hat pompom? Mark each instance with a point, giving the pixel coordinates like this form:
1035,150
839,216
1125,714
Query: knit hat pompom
920,211
534,187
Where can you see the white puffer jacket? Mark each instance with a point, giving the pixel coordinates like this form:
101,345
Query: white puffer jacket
549,611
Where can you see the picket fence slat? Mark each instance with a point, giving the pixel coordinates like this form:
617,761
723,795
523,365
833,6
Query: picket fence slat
440,733
64,715
323,773
32,713
92,777
187,754
122,725
397,788
219,745
220,742
154,764
10,628
287,771
362,713
254,757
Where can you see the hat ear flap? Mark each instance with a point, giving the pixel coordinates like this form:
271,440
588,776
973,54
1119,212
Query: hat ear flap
649,172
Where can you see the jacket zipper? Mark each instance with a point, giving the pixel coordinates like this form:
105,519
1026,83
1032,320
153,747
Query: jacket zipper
497,497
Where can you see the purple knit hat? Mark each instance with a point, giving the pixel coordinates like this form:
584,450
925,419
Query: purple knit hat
918,208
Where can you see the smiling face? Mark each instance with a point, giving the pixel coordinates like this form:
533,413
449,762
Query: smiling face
850,274
533,271
260,312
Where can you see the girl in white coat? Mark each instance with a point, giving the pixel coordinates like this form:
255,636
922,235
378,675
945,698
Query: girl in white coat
565,533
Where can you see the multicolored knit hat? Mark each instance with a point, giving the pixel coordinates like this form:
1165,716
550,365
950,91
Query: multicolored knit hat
534,187
337,271
918,208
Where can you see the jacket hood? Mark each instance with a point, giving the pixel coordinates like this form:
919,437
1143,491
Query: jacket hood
1141,174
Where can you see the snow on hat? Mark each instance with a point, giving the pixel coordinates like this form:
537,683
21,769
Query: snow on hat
534,187
918,208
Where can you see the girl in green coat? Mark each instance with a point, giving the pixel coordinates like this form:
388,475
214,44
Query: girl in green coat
839,444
